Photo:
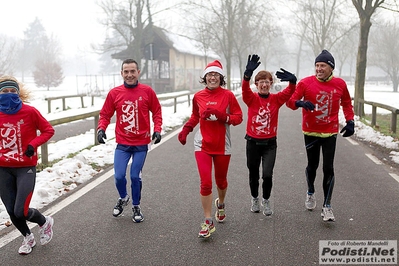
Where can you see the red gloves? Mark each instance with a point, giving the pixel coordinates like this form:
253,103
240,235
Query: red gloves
214,115
183,134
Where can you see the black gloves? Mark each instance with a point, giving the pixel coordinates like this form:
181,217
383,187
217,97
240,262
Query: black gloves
101,136
284,75
252,64
349,129
30,151
308,106
156,136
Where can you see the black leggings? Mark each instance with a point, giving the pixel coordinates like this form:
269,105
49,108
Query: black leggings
327,146
16,190
258,152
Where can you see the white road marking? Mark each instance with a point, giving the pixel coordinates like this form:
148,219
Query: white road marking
352,141
373,158
7,238
395,176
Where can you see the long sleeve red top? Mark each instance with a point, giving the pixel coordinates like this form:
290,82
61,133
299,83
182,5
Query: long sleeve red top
213,137
132,107
20,130
327,96
263,112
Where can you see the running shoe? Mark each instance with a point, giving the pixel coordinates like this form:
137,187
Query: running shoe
327,214
118,209
27,244
219,215
46,231
137,214
255,205
310,202
267,210
207,228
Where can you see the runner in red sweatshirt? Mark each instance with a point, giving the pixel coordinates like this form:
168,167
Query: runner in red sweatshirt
321,97
132,102
261,135
19,141
215,109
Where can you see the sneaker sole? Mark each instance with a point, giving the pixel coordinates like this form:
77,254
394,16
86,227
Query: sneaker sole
267,214
327,220
26,253
209,234
257,211
137,221
310,208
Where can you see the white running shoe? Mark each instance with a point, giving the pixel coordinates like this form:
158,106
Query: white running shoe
138,216
46,231
255,205
310,201
267,210
118,209
27,244
327,214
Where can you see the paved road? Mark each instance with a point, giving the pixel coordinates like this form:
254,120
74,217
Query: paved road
365,203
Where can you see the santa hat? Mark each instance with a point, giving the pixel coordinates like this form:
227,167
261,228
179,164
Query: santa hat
214,66
325,57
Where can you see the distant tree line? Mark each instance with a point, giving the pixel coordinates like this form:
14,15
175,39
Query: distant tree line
37,55
236,28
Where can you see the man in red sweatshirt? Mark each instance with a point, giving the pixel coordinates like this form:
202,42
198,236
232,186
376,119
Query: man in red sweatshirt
321,97
132,102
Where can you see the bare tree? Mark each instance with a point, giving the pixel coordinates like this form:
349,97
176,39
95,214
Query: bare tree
322,23
224,24
48,72
8,55
384,51
365,9
124,23
344,52
318,25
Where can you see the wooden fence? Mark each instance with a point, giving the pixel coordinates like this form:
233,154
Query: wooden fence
374,106
50,99
96,115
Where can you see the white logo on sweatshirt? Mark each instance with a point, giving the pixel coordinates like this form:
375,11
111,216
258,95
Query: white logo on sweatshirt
263,120
11,141
130,117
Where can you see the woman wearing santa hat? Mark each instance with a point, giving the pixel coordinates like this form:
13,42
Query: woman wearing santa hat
215,109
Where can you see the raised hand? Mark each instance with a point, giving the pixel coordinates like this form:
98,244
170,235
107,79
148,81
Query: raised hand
252,64
285,75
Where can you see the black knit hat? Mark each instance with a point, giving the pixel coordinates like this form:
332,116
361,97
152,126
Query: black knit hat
325,57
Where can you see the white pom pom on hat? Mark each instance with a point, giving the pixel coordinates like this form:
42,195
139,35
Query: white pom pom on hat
214,66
